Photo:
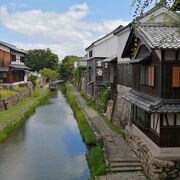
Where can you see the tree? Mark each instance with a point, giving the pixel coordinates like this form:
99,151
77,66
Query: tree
38,59
49,74
66,68
140,5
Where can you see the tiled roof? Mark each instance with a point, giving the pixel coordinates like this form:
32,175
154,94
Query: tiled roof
13,47
152,104
160,35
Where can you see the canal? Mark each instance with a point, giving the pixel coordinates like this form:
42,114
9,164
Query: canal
48,146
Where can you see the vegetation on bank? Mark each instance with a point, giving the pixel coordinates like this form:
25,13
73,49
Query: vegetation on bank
92,104
95,157
18,113
4,94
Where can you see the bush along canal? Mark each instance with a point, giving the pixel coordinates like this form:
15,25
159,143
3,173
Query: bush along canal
95,156
48,145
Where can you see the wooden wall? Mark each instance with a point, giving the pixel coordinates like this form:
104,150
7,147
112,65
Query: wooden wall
124,74
5,58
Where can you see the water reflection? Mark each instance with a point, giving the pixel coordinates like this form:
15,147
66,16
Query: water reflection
47,147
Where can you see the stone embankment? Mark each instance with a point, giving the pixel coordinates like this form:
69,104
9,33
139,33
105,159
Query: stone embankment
121,161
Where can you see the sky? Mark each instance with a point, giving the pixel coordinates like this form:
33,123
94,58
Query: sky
67,27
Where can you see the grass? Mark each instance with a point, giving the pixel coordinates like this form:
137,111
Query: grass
4,94
20,88
113,127
18,114
95,157
96,161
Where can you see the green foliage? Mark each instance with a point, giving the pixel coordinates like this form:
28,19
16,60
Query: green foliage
4,94
66,68
33,79
77,74
103,99
91,103
81,93
96,161
20,87
49,74
86,131
38,59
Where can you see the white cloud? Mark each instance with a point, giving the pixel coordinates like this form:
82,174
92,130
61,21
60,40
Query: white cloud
68,32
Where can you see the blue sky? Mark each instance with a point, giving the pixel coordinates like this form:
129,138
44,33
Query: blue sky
65,26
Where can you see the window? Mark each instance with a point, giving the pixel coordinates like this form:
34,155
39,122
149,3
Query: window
3,75
170,55
90,54
176,77
147,75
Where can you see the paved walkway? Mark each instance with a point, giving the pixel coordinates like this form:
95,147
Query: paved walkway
119,157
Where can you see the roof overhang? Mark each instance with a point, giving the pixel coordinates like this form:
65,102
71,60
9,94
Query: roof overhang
110,59
151,104
143,60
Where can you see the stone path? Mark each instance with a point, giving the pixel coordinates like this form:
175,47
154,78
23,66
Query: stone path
119,157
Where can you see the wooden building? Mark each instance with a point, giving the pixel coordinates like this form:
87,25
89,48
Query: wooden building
155,94
98,51
12,68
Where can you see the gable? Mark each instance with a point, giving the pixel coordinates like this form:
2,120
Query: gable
160,15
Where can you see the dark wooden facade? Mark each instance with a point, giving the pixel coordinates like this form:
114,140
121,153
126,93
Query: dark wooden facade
9,74
153,75
124,74
94,76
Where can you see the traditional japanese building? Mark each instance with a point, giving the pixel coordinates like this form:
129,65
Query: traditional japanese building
155,94
12,67
98,51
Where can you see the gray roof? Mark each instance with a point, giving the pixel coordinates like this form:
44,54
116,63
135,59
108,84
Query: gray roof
111,58
160,35
18,66
152,104
12,47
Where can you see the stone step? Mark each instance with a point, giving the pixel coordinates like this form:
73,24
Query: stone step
125,169
124,161
125,164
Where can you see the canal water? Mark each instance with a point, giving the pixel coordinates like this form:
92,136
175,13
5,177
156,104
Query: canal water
48,146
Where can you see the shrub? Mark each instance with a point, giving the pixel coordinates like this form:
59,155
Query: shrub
20,87
33,79
4,94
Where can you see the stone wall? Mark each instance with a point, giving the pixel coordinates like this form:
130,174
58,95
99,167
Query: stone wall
11,101
122,109
156,169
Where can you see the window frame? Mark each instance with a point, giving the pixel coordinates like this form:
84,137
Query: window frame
90,53
145,80
177,56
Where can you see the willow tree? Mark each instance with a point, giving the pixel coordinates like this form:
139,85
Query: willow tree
140,6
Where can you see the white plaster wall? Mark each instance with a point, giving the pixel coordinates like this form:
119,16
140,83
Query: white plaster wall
4,48
122,38
171,119
153,123
107,48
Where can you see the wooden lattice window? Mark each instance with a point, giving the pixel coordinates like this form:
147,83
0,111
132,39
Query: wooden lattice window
176,76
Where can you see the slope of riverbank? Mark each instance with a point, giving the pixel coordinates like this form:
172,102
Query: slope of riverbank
119,156
95,156
14,116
